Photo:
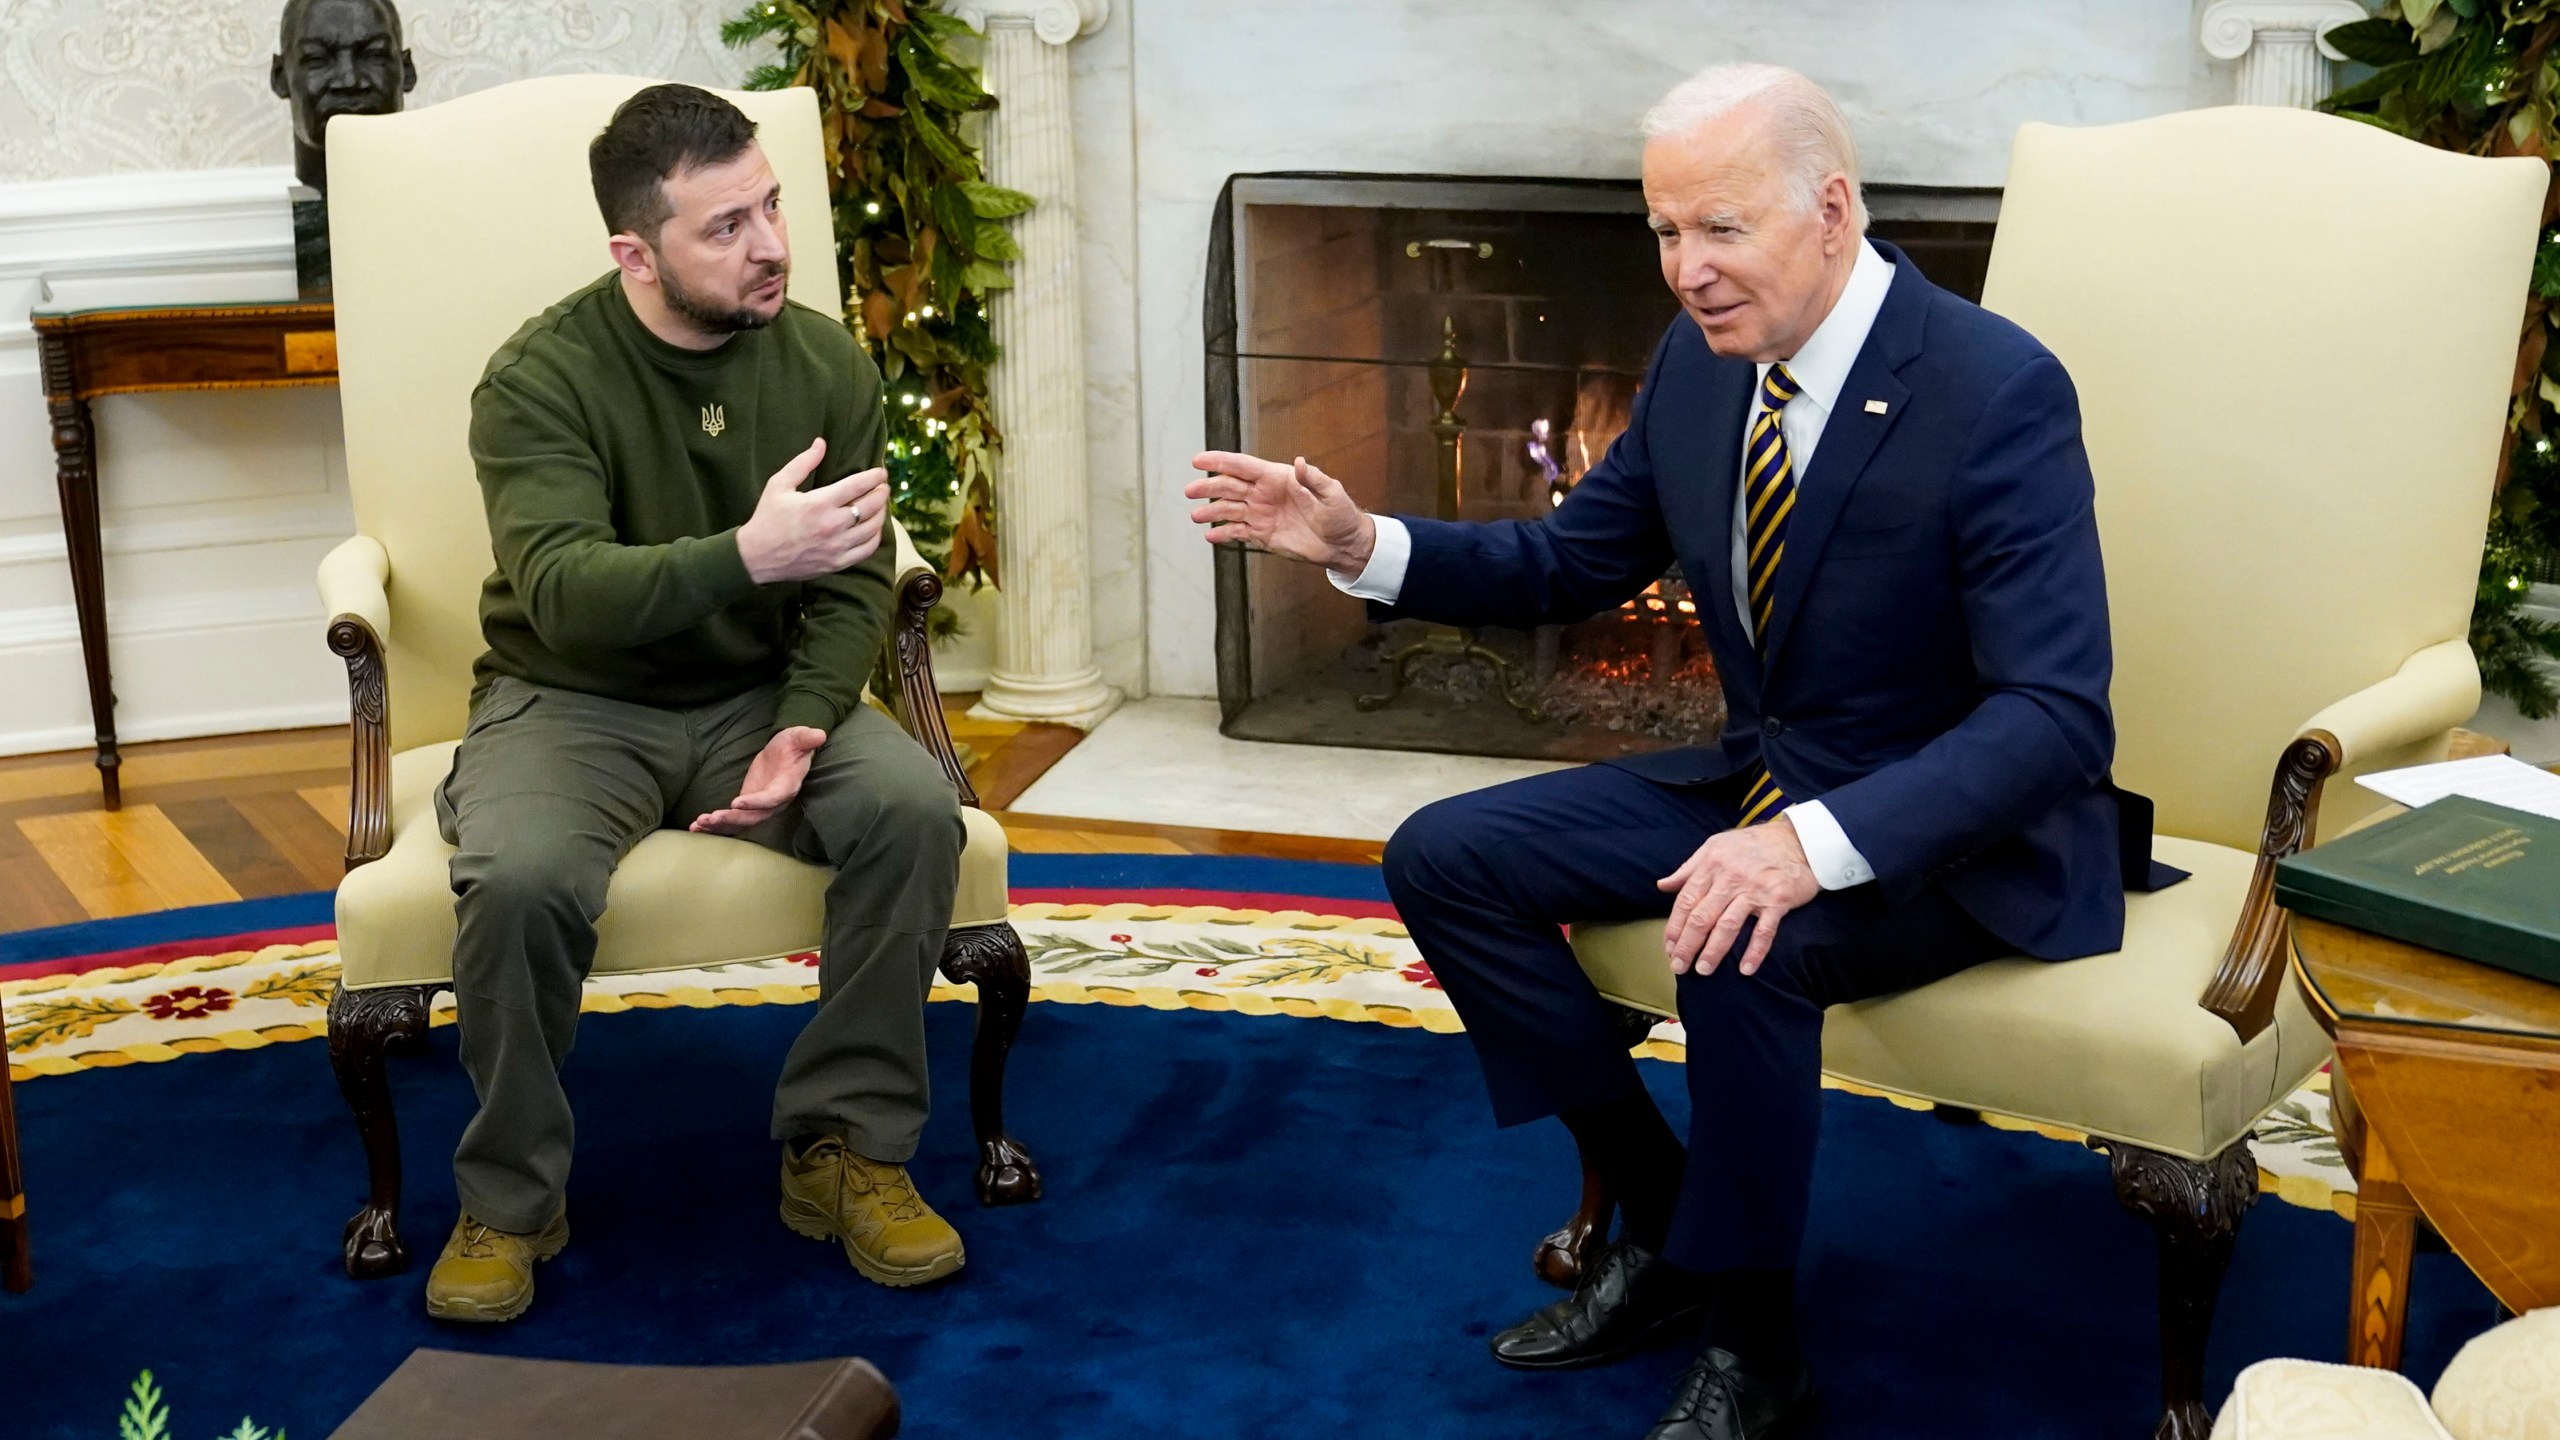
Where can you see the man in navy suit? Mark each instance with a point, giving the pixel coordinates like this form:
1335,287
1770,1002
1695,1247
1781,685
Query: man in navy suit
1879,496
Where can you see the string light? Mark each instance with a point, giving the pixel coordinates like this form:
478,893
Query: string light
871,207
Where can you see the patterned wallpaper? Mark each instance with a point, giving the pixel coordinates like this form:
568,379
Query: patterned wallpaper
94,86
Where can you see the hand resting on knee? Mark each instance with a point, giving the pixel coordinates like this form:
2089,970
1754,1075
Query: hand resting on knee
1755,873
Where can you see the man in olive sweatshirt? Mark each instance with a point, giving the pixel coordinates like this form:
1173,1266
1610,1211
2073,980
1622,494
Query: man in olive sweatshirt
679,633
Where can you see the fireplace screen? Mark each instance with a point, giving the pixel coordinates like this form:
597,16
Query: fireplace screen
1463,349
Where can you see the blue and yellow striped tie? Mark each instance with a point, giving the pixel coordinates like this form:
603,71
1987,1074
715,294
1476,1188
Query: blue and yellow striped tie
1769,495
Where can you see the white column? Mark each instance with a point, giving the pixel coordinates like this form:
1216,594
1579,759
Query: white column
1044,666
2283,60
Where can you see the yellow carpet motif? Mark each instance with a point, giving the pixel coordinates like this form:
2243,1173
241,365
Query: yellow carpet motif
1192,957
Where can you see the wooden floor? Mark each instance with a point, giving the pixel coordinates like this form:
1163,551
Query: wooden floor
241,817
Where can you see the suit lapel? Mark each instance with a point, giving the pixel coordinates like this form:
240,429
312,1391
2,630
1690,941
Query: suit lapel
1728,405
1849,440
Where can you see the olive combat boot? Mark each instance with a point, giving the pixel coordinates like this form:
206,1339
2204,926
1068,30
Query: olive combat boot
486,1274
888,1232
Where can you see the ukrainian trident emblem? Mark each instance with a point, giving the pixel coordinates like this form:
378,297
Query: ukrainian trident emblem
714,420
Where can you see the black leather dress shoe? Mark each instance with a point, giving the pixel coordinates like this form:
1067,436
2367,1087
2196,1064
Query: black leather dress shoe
1629,1296
1719,1398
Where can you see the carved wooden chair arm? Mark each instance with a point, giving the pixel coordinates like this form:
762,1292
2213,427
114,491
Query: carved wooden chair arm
907,665
2245,988
354,580
2433,691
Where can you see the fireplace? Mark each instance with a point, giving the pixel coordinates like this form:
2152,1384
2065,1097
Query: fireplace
1462,348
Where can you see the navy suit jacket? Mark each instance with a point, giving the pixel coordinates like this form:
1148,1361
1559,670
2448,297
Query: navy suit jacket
1938,657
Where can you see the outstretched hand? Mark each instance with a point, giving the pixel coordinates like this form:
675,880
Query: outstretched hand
1758,873
773,781
1295,510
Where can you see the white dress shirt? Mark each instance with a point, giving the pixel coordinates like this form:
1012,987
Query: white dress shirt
1820,367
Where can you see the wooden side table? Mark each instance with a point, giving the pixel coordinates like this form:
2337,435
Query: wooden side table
89,353
2447,1091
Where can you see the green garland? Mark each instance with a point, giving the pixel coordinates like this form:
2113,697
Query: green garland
2483,77
920,237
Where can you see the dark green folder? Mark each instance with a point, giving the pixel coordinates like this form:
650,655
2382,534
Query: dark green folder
2461,875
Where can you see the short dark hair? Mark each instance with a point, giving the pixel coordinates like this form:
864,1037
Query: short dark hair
662,131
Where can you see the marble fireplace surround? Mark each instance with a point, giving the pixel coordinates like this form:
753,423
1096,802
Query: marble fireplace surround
1935,88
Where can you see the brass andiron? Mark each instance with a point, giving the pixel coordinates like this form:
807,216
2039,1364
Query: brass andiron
1457,645
1448,383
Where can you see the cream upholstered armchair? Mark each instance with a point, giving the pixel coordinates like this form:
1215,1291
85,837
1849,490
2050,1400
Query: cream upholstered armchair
2294,420
451,226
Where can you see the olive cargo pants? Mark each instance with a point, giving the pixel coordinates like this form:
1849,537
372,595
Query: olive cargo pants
551,788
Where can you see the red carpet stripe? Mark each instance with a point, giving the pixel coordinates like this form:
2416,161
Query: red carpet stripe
167,950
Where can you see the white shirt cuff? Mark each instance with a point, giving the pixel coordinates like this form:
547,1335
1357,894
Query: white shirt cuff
1383,580
1836,863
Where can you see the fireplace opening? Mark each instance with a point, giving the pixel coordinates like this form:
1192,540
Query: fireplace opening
1462,348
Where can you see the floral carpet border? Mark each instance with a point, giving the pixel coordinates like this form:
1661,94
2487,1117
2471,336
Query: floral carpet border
1153,956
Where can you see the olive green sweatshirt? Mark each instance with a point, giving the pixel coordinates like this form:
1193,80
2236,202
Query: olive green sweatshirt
617,469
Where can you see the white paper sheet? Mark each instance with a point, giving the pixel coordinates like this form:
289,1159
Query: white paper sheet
2498,779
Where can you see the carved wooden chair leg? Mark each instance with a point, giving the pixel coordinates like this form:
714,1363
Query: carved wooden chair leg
991,957
17,1264
2194,1208
365,1026
1563,1255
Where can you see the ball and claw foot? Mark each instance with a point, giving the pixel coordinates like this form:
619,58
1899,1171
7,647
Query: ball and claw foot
373,1247
1005,1173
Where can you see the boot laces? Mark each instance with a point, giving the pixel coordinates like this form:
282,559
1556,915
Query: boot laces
477,1241
888,1185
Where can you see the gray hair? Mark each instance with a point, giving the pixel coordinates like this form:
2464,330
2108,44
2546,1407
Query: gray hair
1811,134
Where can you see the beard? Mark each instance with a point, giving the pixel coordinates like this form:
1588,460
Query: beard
716,319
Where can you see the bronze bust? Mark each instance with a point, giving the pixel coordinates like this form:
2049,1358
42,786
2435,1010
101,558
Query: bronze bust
337,57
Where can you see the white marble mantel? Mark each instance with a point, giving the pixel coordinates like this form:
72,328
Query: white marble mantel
1504,87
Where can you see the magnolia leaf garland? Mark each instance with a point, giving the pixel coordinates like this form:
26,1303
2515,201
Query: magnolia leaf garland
921,239
2483,77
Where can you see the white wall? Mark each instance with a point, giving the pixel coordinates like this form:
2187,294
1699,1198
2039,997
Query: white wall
149,164
216,505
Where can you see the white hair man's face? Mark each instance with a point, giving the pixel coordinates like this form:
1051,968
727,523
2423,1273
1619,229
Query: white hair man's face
1756,270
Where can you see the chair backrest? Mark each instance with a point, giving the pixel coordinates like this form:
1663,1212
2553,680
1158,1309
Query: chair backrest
2292,336
449,227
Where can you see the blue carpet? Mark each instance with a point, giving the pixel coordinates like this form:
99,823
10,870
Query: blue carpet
1255,1227
193,922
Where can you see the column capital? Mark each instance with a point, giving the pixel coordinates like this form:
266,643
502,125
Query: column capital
1056,21
2230,27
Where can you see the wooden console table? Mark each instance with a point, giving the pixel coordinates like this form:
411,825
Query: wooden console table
2447,1093
143,350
